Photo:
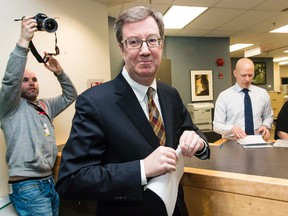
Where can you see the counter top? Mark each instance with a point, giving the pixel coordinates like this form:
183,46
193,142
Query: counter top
232,157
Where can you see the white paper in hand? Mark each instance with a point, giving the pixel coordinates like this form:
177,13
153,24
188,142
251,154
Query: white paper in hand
166,186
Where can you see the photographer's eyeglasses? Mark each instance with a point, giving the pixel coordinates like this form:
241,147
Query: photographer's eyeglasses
136,43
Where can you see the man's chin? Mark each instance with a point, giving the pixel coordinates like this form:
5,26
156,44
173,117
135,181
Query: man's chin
147,71
30,97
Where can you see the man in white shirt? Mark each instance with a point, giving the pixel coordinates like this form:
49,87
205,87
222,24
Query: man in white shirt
229,118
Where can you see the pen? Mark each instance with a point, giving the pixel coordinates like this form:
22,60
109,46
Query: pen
221,145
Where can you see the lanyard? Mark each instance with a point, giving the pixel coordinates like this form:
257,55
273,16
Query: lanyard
40,110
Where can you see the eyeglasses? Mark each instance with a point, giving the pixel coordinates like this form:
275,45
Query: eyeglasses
136,43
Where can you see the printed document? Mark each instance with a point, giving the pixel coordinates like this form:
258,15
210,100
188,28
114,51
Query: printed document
281,143
253,141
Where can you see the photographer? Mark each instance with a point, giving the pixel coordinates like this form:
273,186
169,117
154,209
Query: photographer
29,133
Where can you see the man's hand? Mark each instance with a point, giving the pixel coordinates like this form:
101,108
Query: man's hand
53,65
264,131
28,28
160,161
190,142
238,132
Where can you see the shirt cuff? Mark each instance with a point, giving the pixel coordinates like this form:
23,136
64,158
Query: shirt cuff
266,126
198,153
143,175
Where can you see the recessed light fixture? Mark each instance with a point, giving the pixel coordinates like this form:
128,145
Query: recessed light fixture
252,52
239,46
283,63
179,16
280,59
283,29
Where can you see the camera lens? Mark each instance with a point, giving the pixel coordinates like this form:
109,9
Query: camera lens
50,25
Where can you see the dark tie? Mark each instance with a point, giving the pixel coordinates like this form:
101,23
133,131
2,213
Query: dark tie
155,118
249,125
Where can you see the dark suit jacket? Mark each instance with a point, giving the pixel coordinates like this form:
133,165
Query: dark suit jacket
109,136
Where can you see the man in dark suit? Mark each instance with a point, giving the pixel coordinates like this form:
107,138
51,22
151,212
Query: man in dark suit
112,151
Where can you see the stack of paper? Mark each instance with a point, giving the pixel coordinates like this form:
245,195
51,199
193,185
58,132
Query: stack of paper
281,143
253,141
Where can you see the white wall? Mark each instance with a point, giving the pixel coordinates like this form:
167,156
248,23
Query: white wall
84,52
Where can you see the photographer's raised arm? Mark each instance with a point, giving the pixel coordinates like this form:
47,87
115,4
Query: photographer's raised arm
69,93
10,92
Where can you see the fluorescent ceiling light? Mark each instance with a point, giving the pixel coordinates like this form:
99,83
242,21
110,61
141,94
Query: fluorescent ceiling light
283,29
252,52
179,16
286,51
239,46
280,59
283,63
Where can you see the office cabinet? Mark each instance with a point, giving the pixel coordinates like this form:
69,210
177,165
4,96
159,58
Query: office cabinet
277,101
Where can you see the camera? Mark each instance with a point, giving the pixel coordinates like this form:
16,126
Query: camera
45,23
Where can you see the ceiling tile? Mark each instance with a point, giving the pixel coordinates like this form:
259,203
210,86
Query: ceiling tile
246,21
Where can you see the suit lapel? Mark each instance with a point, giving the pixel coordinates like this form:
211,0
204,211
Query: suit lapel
130,105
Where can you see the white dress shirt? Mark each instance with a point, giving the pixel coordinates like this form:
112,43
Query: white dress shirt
229,109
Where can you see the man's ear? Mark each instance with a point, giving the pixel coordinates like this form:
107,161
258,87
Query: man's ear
234,72
121,47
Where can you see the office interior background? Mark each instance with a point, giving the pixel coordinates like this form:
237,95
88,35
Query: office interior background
88,49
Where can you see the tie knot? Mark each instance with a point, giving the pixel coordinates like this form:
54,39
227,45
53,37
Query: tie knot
245,90
150,92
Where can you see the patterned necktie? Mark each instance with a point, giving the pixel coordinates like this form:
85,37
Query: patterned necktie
155,118
249,125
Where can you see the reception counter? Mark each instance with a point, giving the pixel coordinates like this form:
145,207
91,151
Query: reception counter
235,181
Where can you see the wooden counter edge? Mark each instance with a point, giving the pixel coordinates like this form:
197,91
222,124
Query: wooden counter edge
218,142
250,185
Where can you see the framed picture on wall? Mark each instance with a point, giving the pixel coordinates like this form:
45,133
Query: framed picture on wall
201,85
259,73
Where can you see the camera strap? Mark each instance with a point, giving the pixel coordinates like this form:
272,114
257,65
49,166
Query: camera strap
37,55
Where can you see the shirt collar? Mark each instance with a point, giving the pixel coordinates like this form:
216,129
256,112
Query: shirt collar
139,90
239,88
